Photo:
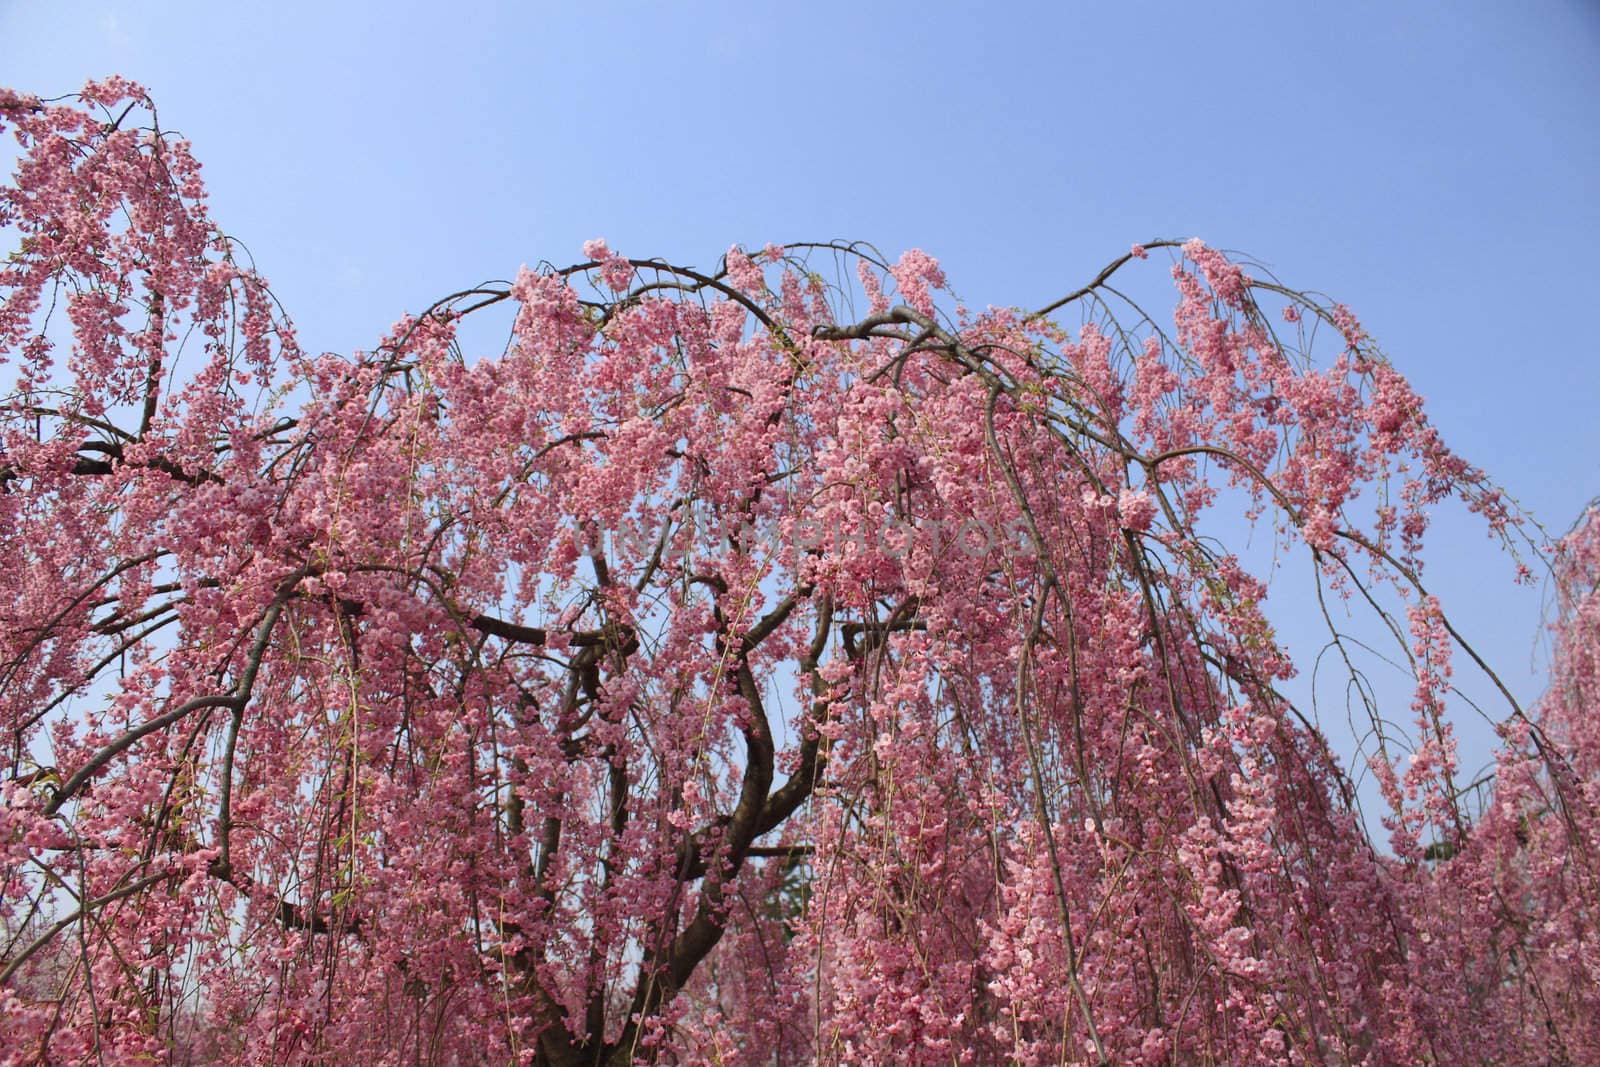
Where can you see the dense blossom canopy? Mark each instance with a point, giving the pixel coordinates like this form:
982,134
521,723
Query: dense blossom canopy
772,664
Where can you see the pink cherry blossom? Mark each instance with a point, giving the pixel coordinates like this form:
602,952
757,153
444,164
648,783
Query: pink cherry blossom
735,669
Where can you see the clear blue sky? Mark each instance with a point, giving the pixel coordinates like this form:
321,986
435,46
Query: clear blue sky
1432,165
